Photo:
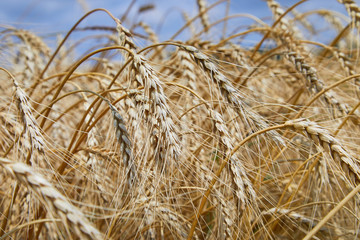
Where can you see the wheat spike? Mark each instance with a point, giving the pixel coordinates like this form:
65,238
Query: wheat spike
204,16
353,10
323,138
52,198
31,127
125,144
231,94
157,112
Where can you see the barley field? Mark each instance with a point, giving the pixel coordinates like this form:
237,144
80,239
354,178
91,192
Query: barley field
201,138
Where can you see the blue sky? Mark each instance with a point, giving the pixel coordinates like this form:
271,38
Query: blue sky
46,17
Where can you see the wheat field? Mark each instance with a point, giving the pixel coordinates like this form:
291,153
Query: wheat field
202,138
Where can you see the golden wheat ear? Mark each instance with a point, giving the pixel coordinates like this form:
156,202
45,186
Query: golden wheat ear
31,127
56,203
157,112
323,138
233,96
123,137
